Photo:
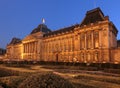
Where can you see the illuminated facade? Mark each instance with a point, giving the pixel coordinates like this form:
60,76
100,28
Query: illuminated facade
91,41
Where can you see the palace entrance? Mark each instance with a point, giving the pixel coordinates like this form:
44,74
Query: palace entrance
57,57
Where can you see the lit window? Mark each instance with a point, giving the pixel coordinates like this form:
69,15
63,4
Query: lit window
96,39
89,43
82,41
96,56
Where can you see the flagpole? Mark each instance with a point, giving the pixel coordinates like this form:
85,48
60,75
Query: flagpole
43,22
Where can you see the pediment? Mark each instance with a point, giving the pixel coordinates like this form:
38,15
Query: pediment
29,37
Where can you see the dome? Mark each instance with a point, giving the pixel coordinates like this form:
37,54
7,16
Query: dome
41,28
15,40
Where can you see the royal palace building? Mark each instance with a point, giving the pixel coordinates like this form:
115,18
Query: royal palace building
94,40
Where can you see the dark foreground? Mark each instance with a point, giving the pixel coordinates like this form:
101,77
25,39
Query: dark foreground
12,75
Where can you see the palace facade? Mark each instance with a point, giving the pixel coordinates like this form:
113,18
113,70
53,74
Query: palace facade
91,41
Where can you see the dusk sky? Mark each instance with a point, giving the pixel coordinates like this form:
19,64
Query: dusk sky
19,17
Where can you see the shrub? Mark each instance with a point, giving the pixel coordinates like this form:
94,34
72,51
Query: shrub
115,71
12,81
7,72
17,65
46,80
11,78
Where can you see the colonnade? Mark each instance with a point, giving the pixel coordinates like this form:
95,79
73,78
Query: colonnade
60,44
30,47
89,40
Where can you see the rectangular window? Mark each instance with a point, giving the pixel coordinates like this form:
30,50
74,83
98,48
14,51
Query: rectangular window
82,41
96,39
89,41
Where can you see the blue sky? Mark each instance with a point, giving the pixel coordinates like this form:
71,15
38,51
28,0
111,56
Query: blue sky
19,17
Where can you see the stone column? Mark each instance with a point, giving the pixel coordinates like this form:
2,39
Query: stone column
85,41
63,45
47,47
108,38
27,47
67,43
92,40
23,48
34,47
31,47
70,44
60,45
79,42
100,41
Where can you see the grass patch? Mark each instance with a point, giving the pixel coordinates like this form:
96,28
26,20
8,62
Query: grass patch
109,79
